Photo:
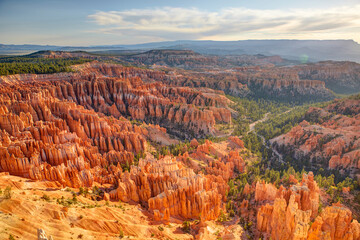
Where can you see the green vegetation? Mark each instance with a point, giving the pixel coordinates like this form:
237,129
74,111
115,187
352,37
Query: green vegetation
186,226
252,110
282,123
258,171
268,168
223,217
181,148
254,144
83,191
137,157
256,109
67,202
121,234
46,198
37,65
7,193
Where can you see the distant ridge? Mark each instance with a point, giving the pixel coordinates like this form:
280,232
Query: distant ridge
306,50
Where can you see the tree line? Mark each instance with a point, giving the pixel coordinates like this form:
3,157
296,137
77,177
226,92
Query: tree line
36,65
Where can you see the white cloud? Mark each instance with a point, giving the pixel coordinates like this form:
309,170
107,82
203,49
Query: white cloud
170,23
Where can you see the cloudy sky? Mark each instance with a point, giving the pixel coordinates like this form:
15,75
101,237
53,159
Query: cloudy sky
103,22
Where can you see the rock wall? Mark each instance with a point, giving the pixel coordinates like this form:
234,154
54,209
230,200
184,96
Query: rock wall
331,142
293,210
270,82
121,91
170,189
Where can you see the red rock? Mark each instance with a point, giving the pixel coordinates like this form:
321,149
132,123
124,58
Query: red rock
290,215
172,190
335,222
265,191
332,141
237,141
194,143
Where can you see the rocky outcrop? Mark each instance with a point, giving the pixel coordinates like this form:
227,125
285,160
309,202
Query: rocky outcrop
61,141
264,81
290,214
332,142
169,189
259,75
265,191
71,129
294,215
119,91
284,221
42,235
335,222
341,77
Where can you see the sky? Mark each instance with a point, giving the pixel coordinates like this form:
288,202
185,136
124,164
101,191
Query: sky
108,22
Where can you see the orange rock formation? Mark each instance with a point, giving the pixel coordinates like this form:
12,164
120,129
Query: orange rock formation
293,209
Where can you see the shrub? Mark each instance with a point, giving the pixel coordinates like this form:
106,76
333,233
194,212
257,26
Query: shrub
222,217
186,226
121,235
7,192
45,197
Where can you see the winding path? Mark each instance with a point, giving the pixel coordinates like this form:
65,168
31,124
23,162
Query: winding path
266,144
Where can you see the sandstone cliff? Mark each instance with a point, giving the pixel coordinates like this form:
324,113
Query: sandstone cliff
332,142
294,209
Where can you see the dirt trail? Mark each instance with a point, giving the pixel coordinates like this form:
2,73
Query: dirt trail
252,129
252,125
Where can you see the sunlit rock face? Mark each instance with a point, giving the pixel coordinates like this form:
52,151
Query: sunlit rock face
331,141
289,214
70,128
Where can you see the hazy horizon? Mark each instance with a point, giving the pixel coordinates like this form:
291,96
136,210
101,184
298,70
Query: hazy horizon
181,40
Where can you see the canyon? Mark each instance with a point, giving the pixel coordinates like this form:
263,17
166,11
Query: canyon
107,151
245,75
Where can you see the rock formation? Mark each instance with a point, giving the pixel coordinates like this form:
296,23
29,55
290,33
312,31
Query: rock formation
293,210
170,189
267,81
53,126
335,222
42,235
332,142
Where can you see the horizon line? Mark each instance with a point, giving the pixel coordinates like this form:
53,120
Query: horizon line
209,40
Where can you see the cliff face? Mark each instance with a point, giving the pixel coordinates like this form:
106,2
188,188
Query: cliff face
45,138
169,188
293,209
331,142
299,81
120,91
266,81
335,222
341,77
